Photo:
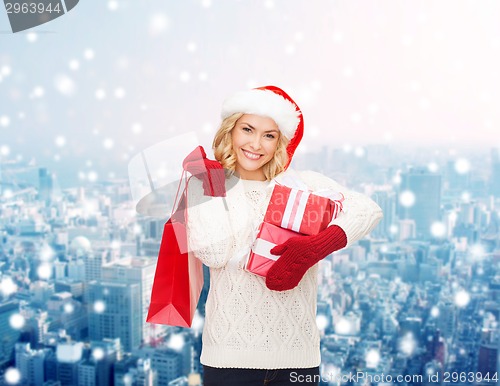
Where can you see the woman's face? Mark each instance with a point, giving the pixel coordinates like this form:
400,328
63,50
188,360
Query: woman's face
254,139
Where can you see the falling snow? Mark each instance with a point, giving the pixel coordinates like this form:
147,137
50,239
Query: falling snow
12,376
17,321
65,85
462,298
99,306
7,286
407,198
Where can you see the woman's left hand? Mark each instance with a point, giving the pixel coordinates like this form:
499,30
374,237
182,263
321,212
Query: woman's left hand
300,253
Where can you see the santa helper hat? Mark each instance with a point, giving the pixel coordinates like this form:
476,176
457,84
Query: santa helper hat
274,103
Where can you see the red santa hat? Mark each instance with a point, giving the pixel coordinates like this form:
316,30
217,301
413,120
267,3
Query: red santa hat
272,102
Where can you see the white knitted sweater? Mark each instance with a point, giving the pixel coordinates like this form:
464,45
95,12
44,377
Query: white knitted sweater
246,324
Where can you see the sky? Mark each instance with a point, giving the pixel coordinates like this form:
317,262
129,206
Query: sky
85,93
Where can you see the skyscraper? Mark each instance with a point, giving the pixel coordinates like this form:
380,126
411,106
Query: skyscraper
141,271
420,199
8,335
45,180
115,312
495,173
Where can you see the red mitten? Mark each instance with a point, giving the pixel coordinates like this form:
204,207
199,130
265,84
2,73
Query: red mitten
300,253
209,171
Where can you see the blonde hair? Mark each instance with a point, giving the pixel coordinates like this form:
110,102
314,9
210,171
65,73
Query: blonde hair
224,153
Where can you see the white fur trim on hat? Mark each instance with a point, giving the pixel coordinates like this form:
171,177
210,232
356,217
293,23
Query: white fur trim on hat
265,103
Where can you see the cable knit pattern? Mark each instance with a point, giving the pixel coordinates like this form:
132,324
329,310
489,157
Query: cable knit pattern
247,325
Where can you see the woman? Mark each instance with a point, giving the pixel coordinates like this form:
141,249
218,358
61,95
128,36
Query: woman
261,331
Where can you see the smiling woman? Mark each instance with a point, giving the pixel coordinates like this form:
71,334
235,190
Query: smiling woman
261,330
254,141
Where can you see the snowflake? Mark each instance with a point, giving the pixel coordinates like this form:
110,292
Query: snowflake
408,344
136,128
158,24
88,54
269,4
65,85
5,71
343,326
120,93
438,229
322,321
184,76
462,166
477,251
462,298
4,121
433,167
434,312
98,353
289,49
99,306
465,196
44,271
38,92
17,321
7,286
100,94
128,380
176,342
112,5
12,376
108,143
359,152
337,37
60,141
47,253
407,198
69,308
92,176
348,72
347,148
74,64
198,322
372,358
32,37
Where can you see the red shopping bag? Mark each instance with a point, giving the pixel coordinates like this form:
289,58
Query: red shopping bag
179,274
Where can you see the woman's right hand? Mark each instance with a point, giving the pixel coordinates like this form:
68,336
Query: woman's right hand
210,172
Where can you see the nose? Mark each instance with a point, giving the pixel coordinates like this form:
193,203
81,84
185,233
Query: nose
255,142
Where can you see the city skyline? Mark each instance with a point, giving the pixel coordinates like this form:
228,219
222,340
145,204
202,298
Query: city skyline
401,301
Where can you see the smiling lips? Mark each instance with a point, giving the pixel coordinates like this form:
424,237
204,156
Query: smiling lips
250,155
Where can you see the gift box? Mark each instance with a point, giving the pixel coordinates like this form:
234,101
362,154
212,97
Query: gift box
302,211
260,258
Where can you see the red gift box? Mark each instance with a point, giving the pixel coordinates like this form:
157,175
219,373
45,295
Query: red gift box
260,258
302,211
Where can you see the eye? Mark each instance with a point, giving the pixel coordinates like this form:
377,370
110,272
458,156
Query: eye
270,136
247,129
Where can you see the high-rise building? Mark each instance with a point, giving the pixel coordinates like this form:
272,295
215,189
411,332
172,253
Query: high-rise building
45,180
420,199
68,357
8,335
141,271
386,199
115,312
167,365
495,173
30,364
